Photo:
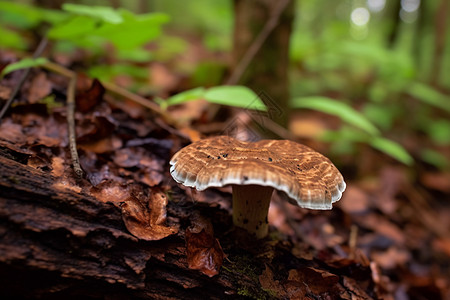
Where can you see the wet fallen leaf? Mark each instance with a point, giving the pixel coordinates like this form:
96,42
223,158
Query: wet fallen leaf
382,226
203,250
40,88
5,92
111,191
391,258
267,282
147,222
354,200
437,181
88,99
356,292
442,245
312,280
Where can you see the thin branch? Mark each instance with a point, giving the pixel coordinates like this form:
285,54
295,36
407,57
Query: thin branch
257,43
140,100
40,48
71,126
70,113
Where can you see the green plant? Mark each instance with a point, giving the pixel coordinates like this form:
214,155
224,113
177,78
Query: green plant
237,96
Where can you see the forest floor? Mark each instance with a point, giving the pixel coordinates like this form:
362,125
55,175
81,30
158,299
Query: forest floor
388,237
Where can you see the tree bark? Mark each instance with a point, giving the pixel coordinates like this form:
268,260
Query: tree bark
267,74
63,244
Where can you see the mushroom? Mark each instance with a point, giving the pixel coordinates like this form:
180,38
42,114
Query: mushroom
254,170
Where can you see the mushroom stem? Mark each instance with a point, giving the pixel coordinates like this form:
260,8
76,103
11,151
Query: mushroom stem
250,208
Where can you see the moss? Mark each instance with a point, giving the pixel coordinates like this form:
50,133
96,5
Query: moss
249,271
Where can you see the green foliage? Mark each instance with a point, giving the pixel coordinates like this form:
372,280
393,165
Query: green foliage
435,158
186,96
429,95
392,149
74,28
93,24
336,108
22,64
11,39
108,72
439,132
105,13
344,139
369,135
237,96
92,28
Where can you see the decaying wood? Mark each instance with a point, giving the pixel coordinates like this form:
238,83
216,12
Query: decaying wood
61,243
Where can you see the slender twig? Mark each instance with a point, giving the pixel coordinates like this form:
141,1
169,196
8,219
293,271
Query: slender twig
70,113
40,48
71,126
257,43
140,100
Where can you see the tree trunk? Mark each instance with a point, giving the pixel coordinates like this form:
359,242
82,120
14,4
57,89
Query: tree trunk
267,74
440,35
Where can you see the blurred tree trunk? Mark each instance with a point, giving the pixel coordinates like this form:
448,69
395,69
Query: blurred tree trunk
267,74
395,23
440,34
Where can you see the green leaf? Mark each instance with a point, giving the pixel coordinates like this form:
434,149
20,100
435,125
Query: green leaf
22,64
186,96
135,55
238,96
105,13
392,149
435,158
429,95
336,108
76,27
20,15
107,72
134,31
11,39
439,131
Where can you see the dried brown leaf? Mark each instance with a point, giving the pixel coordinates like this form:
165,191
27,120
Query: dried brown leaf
267,282
356,292
147,223
86,100
355,200
391,258
111,191
40,88
316,281
203,250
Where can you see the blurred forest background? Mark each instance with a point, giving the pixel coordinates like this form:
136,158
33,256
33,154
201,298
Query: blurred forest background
367,83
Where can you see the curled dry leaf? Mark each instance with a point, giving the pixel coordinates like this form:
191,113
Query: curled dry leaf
147,222
204,252
316,281
87,99
111,191
304,281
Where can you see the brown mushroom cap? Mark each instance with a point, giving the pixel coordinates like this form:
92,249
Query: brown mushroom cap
308,178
